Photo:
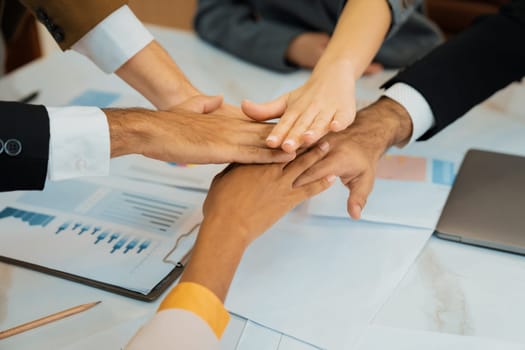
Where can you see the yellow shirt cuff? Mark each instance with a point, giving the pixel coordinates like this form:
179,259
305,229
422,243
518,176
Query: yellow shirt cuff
201,301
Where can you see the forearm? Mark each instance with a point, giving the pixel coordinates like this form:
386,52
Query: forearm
215,257
154,74
126,129
470,67
357,38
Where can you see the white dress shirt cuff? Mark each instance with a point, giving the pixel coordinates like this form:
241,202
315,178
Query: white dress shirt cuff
114,40
416,105
79,143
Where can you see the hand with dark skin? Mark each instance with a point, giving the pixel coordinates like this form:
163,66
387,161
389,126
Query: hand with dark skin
355,151
244,201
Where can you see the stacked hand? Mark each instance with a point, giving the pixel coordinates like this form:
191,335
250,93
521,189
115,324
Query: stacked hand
324,103
354,152
192,132
254,197
243,202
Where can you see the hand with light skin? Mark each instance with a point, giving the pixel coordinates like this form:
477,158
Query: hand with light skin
243,202
154,74
192,132
355,151
326,102
306,49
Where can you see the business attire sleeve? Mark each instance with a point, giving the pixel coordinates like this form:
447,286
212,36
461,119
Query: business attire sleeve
190,317
233,26
24,145
79,144
470,67
261,31
115,40
69,20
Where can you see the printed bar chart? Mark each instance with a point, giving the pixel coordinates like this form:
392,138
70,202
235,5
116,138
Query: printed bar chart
140,211
32,219
135,210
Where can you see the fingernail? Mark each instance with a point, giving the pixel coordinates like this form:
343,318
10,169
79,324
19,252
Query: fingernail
324,146
331,178
334,124
290,143
309,133
271,138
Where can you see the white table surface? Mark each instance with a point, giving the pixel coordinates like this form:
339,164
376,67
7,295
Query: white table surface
454,296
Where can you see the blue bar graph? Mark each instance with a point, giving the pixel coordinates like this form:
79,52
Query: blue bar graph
116,240
31,218
135,210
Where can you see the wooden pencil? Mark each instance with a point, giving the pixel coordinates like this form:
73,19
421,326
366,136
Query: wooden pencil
45,320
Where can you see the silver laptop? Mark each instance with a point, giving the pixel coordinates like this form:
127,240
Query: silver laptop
486,206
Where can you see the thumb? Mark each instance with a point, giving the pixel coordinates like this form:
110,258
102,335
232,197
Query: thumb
202,104
359,191
267,110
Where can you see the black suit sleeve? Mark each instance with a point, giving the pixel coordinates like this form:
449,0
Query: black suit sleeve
24,135
470,67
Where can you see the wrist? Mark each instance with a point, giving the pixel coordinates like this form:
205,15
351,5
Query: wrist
172,95
231,233
342,63
127,130
400,121
380,126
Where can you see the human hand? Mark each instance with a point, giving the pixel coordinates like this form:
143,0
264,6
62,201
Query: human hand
187,135
230,111
373,68
354,152
248,199
326,102
306,49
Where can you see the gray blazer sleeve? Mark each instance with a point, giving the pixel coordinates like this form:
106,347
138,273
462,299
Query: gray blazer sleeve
401,10
232,26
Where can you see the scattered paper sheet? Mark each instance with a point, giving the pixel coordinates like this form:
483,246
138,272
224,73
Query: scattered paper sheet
380,338
323,280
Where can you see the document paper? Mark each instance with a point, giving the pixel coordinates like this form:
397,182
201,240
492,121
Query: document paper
323,280
116,232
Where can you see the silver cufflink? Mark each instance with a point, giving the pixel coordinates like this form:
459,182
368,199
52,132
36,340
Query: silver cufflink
12,147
